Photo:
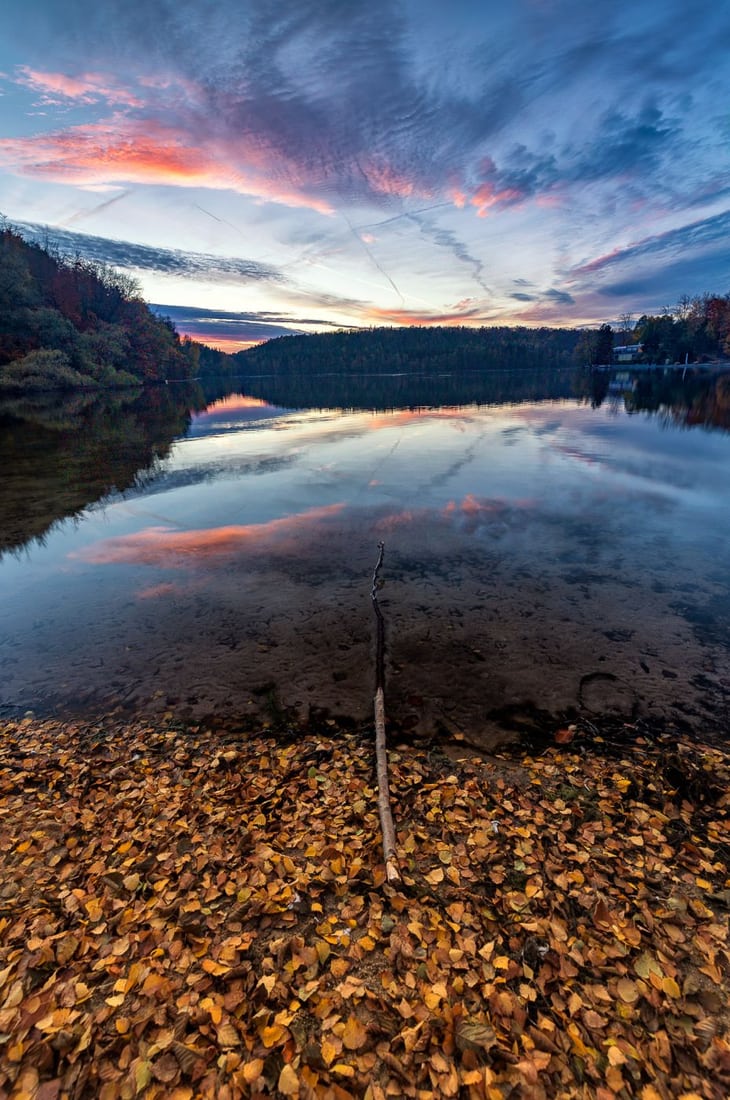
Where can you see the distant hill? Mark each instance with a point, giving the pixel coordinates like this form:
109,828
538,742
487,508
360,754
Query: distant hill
70,323
394,350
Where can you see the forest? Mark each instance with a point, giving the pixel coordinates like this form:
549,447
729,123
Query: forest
420,350
70,323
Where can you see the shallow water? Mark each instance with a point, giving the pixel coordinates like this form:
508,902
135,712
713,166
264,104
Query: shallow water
538,553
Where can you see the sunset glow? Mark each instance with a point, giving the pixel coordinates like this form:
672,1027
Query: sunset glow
167,548
335,166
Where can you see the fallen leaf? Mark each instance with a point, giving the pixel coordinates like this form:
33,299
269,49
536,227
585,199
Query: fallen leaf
288,1082
355,1034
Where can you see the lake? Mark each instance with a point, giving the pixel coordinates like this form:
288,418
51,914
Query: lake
551,545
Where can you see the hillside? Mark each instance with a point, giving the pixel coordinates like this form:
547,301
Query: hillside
392,350
72,323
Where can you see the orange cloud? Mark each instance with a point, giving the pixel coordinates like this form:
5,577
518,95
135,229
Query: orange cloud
406,416
400,519
475,507
235,402
485,197
414,317
165,547
126,150
86,88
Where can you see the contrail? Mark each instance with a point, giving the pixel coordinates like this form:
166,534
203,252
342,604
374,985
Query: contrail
385,274
408,214
82,214
217,219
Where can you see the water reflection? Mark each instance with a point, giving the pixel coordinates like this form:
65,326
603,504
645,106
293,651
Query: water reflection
222,546
61,453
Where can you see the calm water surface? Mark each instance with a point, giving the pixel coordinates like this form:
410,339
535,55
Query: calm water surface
539,553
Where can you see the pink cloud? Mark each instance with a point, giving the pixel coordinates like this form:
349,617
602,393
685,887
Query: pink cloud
155,591
142,151
486,197
598,263
165,547
383,178
86,88
416,317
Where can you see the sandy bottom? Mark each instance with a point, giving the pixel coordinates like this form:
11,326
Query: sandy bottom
486,635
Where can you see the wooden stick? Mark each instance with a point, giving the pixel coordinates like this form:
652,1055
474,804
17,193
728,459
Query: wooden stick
392,871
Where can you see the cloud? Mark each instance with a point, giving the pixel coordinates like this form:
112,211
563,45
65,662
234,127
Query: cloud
445,238
87,88
556,124
145,151
560,296
426,317
167,261
218,329
705,233
259,115
230,323
165,547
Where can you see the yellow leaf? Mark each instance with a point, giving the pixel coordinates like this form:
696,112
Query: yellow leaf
670,987
343,1069
142,1075
122,1025
288,1082
323,951
355,1034
210,966
94,908
328,1051
270,1036
253,1070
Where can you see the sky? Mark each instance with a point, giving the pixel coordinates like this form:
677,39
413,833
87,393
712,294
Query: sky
273,166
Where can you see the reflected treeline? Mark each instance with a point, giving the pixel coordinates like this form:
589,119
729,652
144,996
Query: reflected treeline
685,398
60,453
410,391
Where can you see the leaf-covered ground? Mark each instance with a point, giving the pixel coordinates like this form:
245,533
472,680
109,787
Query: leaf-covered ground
194,913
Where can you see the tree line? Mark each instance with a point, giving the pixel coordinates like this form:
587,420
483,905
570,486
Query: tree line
696,330
72,323
75,323
416,350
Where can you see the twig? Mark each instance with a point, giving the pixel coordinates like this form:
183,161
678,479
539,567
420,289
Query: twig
392,872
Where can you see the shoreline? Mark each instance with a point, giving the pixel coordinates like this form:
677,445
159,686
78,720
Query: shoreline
188,912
